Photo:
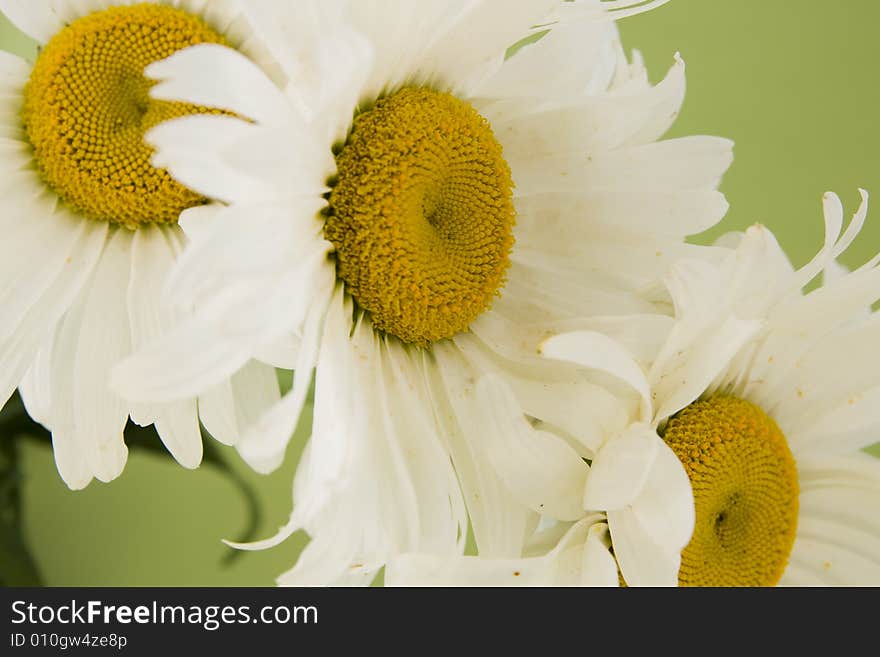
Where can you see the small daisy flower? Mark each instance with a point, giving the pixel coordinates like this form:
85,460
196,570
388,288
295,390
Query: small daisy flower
90,227
764,397
415,207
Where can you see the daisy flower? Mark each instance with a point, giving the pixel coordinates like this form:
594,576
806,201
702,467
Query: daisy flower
90,227
412,209
764,397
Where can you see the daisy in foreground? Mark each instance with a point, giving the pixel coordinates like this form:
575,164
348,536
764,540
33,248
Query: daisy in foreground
412,210
90,227
764,397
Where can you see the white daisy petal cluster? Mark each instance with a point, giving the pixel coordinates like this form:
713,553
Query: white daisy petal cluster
459,223
734,459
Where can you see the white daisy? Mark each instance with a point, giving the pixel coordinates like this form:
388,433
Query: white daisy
369,236
765,395
90,227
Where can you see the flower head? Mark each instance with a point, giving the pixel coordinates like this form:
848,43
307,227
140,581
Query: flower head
91,230
731,453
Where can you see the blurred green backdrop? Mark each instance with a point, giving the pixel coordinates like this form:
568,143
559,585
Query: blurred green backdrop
792,83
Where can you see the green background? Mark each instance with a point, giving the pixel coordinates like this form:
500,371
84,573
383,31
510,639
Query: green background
792,83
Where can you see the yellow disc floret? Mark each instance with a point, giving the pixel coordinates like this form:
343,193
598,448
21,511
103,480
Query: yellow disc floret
745,488
87,106
422,214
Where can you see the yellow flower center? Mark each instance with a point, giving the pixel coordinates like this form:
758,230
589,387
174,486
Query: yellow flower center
87,106
745,486
422,215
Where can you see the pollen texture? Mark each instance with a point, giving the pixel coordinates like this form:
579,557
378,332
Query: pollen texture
421,215
87,106
745,486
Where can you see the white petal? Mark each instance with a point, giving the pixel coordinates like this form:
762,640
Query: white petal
841,489
599,567
621,468
337,420
185,362
809,339
561,289
425,491
233,82
619,9
36,18
104,338
799,575
326,62
423,570
541,470
289,33
36,388
231,407
264,442
342,62
68,446
663,188
284,532
564,232
700,163
833,212
178,426
151,260
687,377
324,560
476,38
858,469
199,151
499,521
39,244
255,388
663,104
562,566
552,391
641,335
59,306
844,426
635,114
834,272
693,286
70,459
599,412
281,353
826,553
759,273
665,505
14,72
217,413
284,304
370,478
581,52
596,351
18,351
854,228
259,268
672,214
642,561
197,221
706,337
